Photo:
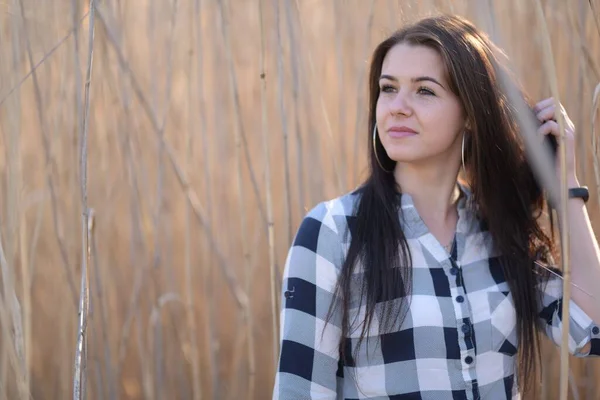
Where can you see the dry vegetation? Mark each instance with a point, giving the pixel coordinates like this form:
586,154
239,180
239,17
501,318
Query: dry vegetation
198,173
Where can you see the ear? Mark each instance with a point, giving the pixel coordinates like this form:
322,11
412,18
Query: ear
468,125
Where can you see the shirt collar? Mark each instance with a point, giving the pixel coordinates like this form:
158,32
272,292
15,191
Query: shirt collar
414,226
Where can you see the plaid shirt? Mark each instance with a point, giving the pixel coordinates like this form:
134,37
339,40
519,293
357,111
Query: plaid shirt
458,339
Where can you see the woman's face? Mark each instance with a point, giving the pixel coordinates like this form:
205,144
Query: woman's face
419,119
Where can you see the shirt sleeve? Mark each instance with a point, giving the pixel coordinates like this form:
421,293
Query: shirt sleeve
582,330
308,364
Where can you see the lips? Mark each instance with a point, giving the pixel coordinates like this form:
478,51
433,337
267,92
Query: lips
401,131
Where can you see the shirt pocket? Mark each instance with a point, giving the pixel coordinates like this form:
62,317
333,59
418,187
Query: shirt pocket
502,326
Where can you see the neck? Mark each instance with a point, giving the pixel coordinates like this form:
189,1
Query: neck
432,187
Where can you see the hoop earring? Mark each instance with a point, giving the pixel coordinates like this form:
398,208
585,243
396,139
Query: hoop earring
375,149
463,153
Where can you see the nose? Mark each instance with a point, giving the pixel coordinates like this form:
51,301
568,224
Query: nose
401,104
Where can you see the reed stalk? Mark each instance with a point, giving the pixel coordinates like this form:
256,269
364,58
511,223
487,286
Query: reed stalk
190,298
8,348
5,66
563,210
11,324
87,224
284,123
100,297
359,128
239,145
296,107
266,155
539,157
160,198
10,320
595,15
79,369
26,279
595,141
209,318
155,388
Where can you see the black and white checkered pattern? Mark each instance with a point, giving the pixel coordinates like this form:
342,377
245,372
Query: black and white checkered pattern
458,340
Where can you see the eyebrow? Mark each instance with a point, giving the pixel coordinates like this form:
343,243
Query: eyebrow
417,79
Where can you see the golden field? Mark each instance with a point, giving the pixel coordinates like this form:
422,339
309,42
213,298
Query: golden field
213,126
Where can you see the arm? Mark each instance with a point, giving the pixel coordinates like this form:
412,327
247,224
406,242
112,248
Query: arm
585,257
584,253
584,334
584,308
309,357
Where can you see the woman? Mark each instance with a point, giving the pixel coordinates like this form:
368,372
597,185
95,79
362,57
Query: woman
416,286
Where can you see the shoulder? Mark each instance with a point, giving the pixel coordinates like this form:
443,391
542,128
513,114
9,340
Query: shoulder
324,230
341,206
334,214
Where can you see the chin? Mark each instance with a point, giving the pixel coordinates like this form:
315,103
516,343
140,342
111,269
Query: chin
406,155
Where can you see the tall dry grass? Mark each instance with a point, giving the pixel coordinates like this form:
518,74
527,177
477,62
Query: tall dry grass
213,127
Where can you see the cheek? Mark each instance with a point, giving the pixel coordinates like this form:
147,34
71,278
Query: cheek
446,122
380,110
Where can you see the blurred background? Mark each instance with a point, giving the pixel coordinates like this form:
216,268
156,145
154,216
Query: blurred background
214,126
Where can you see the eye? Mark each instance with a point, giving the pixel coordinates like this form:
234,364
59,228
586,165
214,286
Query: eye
426,91
387,88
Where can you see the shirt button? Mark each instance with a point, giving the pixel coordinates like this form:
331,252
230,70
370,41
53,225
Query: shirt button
466,329
468,359
454,270
460,299
595,330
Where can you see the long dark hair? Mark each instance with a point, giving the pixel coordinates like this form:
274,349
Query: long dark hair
501,182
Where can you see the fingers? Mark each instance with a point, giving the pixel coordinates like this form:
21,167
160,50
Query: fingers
548,127
546,110
543,104
546,103
547,113
552,128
